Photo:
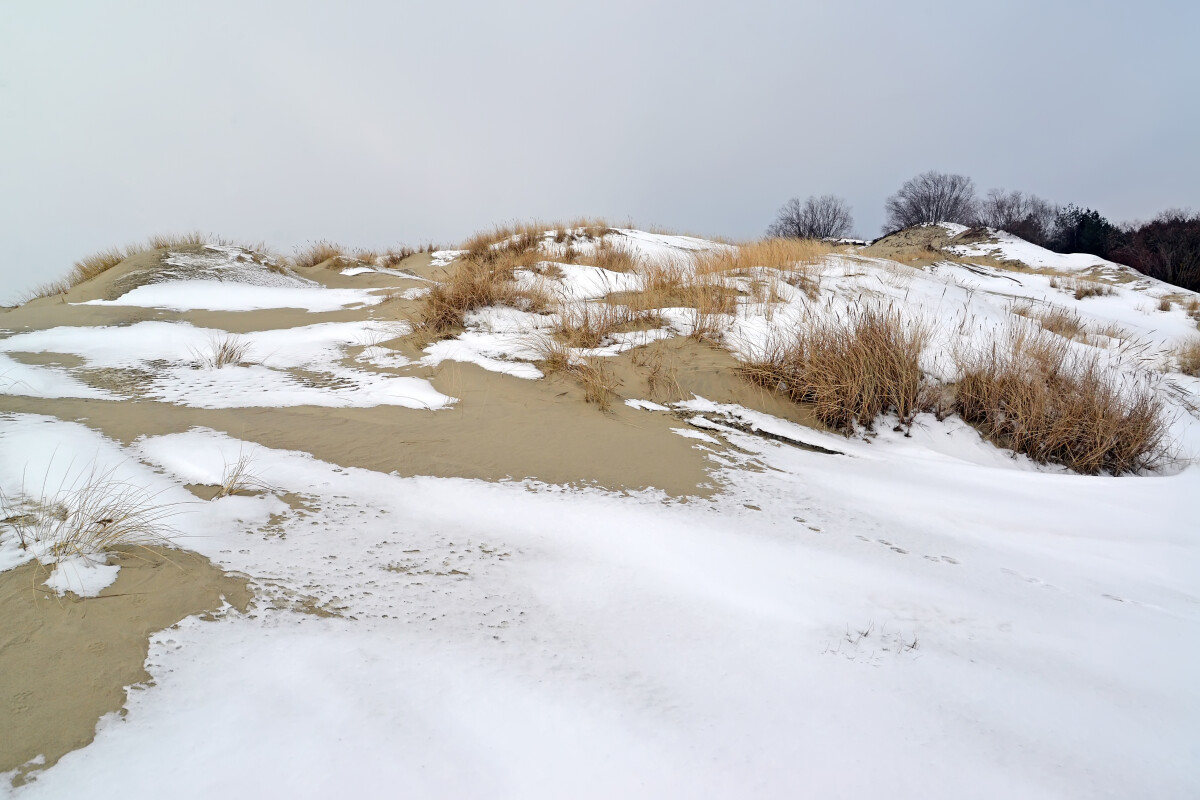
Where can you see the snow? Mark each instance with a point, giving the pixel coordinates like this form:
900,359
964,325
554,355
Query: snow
215,295
174,351
37,381
1007,247
985,631
85,576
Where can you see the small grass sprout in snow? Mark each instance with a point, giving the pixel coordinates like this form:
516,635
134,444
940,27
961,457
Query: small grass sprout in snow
1035,394
224,350
852,368
238,477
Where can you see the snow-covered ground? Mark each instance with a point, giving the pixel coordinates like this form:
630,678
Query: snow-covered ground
907,616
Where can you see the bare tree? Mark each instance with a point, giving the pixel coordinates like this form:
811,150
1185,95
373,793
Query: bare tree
825,217
931,197
1024,215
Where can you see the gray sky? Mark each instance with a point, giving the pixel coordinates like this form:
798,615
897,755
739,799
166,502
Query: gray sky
374,123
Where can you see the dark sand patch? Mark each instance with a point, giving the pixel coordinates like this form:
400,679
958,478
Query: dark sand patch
65,661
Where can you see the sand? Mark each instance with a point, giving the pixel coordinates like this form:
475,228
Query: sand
65,661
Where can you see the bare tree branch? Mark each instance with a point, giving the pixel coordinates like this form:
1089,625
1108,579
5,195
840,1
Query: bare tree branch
825,217
931,197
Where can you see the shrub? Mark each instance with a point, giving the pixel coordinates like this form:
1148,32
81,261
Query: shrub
852,369
825,217
1023,215
931,197
1033,394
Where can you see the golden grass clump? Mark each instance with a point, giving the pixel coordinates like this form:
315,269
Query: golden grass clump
852,368
1066,324
1081,288
167,241
479,282
317,253
608,254
1033,394
1188,354
597,379
593,324
797,258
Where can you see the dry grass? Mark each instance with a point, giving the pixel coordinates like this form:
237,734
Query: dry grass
1188,354
592,324
662,380
173,240
239,478
223,350
98,263
597,379
1081,288
1031,393
797,259
1066,324
478,282
87,514
852,369
609,254
1164,304
1060,321
316,253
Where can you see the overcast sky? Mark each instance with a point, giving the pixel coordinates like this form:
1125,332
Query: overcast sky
373,123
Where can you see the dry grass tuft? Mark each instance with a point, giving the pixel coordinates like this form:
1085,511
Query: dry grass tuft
599,383
1188,354
317,253
239,478
1031,393
593,324
662,381
87,514
223,350
173,240
609,254
479,282
1164,304
1081,288
852,369
1066,324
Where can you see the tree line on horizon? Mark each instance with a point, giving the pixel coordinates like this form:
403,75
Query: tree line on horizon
1167,247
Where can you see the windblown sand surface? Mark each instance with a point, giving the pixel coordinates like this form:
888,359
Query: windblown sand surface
65,661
